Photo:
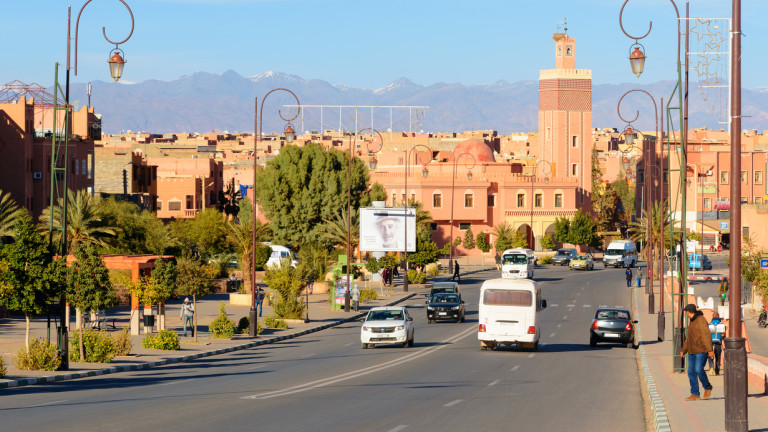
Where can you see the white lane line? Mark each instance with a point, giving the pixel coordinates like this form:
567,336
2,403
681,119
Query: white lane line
255,367
175,382
45,404
552,335
554,305
571,306
587,305
494,383
565,317
308,355
398,428
351,343
558,326
515,368
578,294
603,306
531,355
457,401
363,371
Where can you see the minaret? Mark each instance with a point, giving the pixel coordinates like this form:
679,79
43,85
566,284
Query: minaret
565,117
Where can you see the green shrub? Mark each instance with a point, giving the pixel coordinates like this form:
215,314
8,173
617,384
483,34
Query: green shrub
368,294
123,342
244,326
3,369
222,327
432,269
274,322
416,277
98,346
165,340
546,259
40,356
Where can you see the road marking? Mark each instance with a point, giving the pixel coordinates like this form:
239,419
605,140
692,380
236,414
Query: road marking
578,294
571,306
494,383
603,306
175,382
457,401
45,404
565,317
308,355
515,368
587,305
363,371
554,305
531,355
351,343
398,428
255,367
558,326
552,335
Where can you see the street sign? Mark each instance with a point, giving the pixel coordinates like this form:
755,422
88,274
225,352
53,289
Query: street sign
723,225
764,263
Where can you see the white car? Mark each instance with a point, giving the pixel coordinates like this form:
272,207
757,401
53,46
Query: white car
387,325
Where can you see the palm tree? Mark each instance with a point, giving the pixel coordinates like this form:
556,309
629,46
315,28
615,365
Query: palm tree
9,212
334,230
84,223
240,235
504,234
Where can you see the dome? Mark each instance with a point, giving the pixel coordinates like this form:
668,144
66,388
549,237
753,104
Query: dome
477,148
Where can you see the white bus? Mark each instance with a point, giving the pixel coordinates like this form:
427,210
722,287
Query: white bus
509,313
518,263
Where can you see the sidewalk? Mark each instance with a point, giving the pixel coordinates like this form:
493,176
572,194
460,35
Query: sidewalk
320,314
667,390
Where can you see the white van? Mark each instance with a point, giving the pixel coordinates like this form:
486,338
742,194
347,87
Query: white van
620,253
509,313
279,253
517,263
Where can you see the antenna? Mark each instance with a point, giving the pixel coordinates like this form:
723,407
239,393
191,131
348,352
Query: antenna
563,26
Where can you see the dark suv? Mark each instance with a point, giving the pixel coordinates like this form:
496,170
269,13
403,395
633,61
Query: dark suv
445,306
563,256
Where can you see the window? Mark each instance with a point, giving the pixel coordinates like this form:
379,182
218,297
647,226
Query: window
569,50
758,200
469,200
403,195
413,197
666,175
174,205
574,169
190,202
558,200
159,205
758,177
707,203
537,200
83,165
548,134
521,200
394,199
464,226
743,176
641,177
437,200
507,297
575,141
723,177
491,200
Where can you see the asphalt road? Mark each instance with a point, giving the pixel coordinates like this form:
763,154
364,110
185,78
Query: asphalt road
326,382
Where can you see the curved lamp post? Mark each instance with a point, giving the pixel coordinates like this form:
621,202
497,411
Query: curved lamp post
546,168
425,174
699,194
349,203
289,137
453,187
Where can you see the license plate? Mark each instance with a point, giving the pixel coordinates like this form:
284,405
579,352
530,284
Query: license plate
442,313
611,335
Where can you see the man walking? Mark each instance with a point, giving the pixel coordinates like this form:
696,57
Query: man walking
355,297
498,261
259,298
698,345
628,273
717,344
456,271
639,276
186,315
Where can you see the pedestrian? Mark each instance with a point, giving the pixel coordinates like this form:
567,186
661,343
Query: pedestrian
186,315
456,273
355,297
698,345
628,273
498,261
385,276
395,272
717,344
722,291
310,281
259,298
639,276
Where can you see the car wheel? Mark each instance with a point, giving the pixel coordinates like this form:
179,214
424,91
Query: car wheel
631,344
365,346
483,347
605,265
462,318
410,342
592,342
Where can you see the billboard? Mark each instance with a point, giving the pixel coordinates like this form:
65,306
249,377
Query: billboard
383,229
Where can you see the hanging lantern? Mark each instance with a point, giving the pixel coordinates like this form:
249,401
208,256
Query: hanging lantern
637,60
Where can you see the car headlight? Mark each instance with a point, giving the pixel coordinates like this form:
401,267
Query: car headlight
366,328
430,308
399,328
456,307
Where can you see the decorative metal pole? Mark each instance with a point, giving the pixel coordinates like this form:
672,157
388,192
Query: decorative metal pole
425,173
453,187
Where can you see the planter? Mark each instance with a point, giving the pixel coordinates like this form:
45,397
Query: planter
236,299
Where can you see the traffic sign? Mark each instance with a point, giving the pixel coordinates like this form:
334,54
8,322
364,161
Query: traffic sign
723,225
764,263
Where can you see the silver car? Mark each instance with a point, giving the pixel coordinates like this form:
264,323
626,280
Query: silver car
387,325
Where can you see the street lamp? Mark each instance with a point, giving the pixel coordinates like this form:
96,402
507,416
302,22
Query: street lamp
125,181
63,342
699,191
453,186
425,174
258,130
546,170
349,204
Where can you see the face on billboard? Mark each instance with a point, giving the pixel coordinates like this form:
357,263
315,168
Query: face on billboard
389,230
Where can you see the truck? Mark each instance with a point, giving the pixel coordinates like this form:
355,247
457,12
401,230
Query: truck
620,253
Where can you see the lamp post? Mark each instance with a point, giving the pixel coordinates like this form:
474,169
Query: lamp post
547,169
116,63
453,187
425,174
349,207
699,191
258,130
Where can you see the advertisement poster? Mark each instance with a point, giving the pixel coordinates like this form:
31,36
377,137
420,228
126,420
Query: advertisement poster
384,229
341,289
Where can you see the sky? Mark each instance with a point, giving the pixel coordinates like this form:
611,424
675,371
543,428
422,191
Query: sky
359,43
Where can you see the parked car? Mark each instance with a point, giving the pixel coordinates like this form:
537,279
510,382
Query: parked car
445,306
443,287
699,262
581,262
563,256
387,325
612,325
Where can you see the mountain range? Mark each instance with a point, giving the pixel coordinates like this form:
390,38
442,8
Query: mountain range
204,102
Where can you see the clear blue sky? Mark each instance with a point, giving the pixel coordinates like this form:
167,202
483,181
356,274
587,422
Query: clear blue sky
360,43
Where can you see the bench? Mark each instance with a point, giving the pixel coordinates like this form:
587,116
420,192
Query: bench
98,318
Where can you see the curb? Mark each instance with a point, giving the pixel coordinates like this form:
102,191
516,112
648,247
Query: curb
149,365
660,418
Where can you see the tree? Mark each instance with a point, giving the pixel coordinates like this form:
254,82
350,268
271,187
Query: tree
304,186
316,258
659,212
548,241
288,286
482,242
627,198
229,201
334,231
240,236
191,280
84,221
606,206
31,277
377,192
209,233
426,253
9,212
504,234
469,239
519,240
562,228
89,288
582,230
137,231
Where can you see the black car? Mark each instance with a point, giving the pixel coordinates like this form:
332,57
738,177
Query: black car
445,306
563,256
612,325
443,287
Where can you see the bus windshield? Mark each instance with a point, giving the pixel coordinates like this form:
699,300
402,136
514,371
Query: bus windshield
515,259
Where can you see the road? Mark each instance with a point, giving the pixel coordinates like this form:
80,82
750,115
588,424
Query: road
326,382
